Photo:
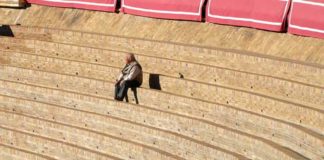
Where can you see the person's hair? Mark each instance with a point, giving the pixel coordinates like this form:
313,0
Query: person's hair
131,57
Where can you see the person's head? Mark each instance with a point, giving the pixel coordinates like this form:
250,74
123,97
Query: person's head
130,57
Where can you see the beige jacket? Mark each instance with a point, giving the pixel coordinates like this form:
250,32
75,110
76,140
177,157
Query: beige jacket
132,71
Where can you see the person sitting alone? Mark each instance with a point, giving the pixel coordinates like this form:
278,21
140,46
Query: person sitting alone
131,76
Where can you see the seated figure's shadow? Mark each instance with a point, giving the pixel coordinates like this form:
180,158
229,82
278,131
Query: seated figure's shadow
5,30
154,83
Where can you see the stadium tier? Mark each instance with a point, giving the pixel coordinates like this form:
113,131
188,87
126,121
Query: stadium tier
209,92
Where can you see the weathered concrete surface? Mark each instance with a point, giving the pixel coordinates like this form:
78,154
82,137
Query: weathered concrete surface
244,93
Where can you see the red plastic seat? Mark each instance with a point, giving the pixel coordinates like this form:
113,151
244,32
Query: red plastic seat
262,14
167,9
100,5
307,18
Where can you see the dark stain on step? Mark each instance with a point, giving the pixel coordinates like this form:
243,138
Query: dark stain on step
76,17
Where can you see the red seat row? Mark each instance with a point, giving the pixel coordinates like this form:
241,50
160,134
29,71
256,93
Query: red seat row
99,5
305,17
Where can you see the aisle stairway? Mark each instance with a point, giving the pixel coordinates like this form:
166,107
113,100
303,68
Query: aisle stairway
195,103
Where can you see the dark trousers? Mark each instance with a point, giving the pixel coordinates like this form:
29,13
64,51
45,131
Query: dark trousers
121,90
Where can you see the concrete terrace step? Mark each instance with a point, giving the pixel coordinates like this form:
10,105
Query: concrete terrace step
148,121
47,146
8,152
269,86
217,94
77,135
236,124
49,112
227,92
231,59
111,125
